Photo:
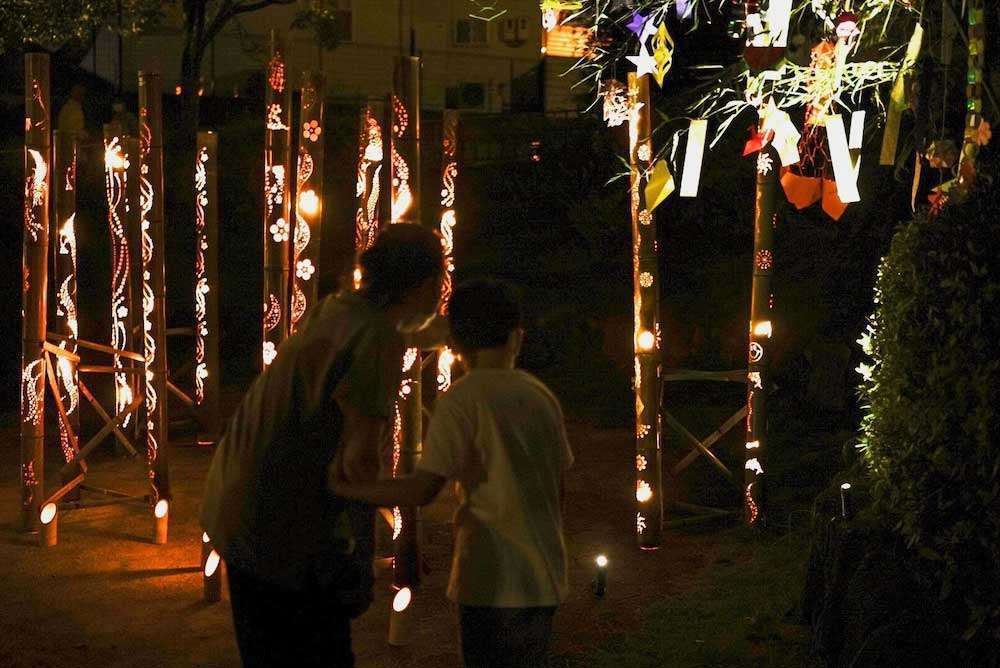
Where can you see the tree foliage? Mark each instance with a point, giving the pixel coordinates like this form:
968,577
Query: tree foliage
931,433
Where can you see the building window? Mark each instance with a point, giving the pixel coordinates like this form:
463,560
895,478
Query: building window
566,41
470,31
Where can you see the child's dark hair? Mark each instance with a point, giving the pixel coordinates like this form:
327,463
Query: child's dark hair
482,314
402,257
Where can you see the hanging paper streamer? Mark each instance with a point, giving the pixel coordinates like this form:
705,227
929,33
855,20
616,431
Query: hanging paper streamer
778,14
897,99
661,184
551,8
845,170
783,134
692,157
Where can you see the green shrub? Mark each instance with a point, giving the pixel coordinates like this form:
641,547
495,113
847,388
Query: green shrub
931,429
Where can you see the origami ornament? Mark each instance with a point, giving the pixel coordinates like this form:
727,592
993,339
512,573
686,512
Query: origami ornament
660,185
615,103
663,53
644,62
551,8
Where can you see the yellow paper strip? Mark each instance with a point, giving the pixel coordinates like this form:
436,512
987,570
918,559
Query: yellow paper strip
692,157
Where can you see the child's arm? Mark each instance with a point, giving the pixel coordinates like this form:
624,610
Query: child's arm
416,490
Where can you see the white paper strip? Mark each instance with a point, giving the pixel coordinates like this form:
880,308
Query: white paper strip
845,172
692,157
778,14
857,129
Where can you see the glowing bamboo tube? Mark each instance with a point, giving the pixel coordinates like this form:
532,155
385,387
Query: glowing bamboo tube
206,289
646,294
48,518
211,571
122,321
973,98
760,335
153,290
405,208
65,280
369,185
449,172
133,232
277,172
37,125
309,197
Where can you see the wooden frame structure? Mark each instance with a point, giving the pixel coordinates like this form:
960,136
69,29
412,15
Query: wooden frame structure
53,358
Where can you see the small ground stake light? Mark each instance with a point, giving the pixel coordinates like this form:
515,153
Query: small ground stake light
399,618
846,508
601,581
211,574
161,514
49,518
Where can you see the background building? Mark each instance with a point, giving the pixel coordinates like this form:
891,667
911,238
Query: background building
507,64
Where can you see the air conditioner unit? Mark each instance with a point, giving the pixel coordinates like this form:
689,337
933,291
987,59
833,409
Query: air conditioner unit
466,96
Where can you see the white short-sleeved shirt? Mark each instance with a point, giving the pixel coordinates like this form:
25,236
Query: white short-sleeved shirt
500,433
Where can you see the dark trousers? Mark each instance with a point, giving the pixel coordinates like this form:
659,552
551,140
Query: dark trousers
277,627
501,637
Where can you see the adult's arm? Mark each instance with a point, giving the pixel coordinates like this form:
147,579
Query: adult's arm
416,490
362,438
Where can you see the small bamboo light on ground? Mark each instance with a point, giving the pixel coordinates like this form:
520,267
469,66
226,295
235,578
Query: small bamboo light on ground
161,515
211,573
846,507
400,618
49,519
601,582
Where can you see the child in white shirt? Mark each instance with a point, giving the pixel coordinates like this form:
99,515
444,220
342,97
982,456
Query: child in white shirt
499,433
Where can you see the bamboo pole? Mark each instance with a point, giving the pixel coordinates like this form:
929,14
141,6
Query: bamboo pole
646,339
153,293
65,280
122,315
449,173
765,217
973,97
405,209
277,172
369,184
37,104
133,232
308,197
206,289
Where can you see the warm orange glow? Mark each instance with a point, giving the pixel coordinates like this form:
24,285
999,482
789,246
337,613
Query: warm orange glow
646,341
160,510
357,278
566,41
177,90
762,328
48,513
401,601
602,561
309,202
212,563
643,492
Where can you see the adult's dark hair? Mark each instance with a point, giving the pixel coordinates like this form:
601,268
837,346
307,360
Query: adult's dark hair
402,257
482,314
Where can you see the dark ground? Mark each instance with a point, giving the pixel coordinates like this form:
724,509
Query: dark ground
107,596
